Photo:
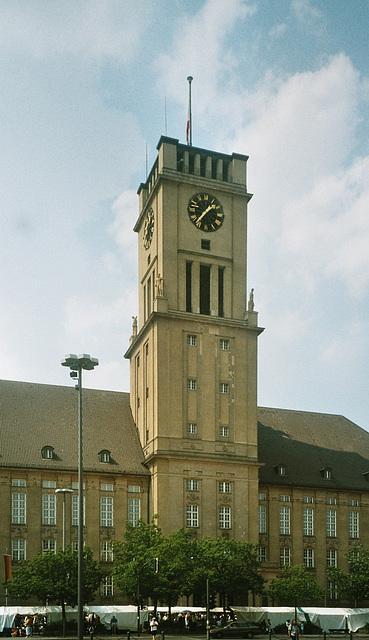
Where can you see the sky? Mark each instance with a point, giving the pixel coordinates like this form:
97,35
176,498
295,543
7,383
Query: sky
87,90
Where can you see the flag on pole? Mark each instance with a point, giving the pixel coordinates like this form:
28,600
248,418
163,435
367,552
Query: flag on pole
189,114
8,567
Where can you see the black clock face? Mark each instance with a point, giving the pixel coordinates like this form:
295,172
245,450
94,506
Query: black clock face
148,228
205,212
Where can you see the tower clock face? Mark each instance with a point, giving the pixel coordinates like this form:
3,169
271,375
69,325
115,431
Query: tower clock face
148,228
205,212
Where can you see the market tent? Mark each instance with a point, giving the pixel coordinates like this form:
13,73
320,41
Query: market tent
324,617
126,615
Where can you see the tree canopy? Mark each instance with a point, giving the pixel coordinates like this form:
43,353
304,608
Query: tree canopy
149,564
295,585
353,585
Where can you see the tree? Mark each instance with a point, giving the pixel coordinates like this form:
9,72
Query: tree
295,585
353,585
176,566
53,577
231,566
135,560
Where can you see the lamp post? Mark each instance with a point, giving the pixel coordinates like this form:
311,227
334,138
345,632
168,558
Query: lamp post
76,364
64,491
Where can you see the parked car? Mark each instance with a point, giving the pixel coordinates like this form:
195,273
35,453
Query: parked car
236,630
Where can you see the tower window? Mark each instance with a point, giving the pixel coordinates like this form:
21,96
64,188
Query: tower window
189,286
205,289
205,244
224,432
191,384
191,340
192,428
224,387
224,345
221,292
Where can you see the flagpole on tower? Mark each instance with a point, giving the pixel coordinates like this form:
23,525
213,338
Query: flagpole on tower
189,116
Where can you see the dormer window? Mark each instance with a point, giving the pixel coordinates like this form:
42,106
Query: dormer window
326,473
104,456
280,469
47,453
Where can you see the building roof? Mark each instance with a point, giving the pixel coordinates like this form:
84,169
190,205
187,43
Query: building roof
33,416
307,444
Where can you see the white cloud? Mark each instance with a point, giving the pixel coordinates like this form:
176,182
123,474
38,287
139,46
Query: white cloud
90,29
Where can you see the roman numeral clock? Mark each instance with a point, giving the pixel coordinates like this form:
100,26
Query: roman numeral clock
205,212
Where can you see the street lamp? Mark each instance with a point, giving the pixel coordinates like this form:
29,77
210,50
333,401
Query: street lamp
64,491
76,364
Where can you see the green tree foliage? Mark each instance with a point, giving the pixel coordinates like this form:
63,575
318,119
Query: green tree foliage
135,563
295,586
53,577
231,566
166,567
353,585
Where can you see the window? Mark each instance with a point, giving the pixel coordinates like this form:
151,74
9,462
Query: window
331,558
47,453
134,511
192,485
191,340
353,503
326,473
224,432
18,508
205,244
224,387
308,499
309,558
18,550
221,292
281,469
48,545
332,591
205,289
16,482
284,556
285,498
191,384
262,496
189,286
331,523
331,501
74,546
224,487
106,487
104,456
75,510
224,345
192,428
107,586
353,524
224,517
284,520
192,515
262,518
106,511
308,522
49,508
106,554
262,554
49,484
134,488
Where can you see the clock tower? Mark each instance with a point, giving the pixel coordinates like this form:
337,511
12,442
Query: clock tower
193,354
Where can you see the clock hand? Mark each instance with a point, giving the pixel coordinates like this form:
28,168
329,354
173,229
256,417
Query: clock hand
211,206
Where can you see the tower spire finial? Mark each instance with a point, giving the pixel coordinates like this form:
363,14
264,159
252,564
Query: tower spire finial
189,116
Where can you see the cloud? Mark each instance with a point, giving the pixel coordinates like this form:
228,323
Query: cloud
90,29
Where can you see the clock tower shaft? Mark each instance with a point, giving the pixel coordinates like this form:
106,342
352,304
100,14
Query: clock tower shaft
194,358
